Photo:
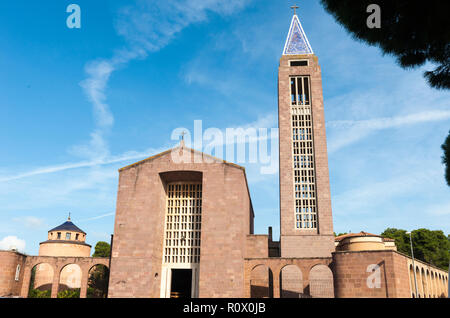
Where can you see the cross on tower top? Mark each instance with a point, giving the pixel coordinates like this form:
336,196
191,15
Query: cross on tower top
182,144
295,7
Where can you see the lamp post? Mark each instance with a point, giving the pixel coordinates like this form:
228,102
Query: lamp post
414,267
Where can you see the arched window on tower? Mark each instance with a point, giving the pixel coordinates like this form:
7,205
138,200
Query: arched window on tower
17,277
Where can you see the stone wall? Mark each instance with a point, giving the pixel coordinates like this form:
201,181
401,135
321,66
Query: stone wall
383,274
139,225
9,261
306,242
257,246
288,277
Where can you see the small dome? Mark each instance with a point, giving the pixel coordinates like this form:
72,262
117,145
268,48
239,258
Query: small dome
68,226
360,234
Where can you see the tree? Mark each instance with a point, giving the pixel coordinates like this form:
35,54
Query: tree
102,249
413,31
401,239
99,276
446,158
429,246
98,282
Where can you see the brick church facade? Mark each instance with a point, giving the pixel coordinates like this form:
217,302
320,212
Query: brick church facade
184,224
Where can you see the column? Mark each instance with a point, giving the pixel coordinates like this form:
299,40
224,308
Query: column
84,281
26,281
55,284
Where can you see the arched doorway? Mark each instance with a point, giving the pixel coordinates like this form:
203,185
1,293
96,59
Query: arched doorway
412,282
424,284
291,282
41,281
419,283
321,282
98,281
70,281
261,282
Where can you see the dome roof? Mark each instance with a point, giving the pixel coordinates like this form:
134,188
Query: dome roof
68,226
361,234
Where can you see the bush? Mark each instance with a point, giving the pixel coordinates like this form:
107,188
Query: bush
36,293
69,293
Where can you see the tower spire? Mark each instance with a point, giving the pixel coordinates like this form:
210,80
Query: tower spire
296,43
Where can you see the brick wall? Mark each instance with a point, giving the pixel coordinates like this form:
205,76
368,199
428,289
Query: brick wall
352,272
257,246
136,263
8,264
294,273
292,239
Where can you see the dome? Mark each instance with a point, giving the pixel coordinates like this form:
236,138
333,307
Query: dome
65,240
67,226
363,241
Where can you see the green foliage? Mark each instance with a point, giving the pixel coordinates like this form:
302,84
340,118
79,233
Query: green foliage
446,158
99,276
36,293
429,246
98,282
69,293
90,293
33,275
102,249
413,31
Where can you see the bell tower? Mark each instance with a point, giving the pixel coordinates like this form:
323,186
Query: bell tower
306,225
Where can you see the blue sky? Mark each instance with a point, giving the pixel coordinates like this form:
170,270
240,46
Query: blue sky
78,104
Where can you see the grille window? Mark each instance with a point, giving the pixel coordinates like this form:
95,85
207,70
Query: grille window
305,206
183,223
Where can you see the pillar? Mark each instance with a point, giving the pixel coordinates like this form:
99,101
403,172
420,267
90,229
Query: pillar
55,284
276,282
26,281
84,281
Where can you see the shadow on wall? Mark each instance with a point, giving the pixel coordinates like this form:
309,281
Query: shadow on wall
261,282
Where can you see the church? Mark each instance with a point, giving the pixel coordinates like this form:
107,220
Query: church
184,223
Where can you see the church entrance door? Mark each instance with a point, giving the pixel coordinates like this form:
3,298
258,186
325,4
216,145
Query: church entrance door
181,285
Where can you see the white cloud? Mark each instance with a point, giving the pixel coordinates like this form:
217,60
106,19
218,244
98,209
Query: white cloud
30,222
266,121
352,131
12,242
147,26
130,155
392,122
374,195
98,217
